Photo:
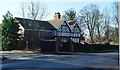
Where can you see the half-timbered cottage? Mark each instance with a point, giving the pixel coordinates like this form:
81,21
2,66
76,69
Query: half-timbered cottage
58,30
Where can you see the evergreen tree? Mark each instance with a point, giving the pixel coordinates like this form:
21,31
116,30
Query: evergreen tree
10,28
70,14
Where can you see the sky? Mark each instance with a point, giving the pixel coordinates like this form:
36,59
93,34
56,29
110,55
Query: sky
52,6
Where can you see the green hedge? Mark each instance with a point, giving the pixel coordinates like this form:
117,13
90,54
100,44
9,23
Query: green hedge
95,47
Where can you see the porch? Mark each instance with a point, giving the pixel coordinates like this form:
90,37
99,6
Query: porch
69,36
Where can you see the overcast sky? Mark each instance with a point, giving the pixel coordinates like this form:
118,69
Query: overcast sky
53,6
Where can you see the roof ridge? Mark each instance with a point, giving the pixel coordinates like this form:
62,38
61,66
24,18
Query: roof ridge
56,19
29,19
39,23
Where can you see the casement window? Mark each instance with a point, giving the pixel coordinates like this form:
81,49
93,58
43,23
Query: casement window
64,40
37,26
64,28
29,24
75,40
76,29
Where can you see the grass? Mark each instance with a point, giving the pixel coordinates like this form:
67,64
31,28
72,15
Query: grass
2,57
58,53
62,53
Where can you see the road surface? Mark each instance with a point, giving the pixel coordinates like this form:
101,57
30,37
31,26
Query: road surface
79,60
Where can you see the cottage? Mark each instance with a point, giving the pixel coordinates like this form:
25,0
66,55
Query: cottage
58,30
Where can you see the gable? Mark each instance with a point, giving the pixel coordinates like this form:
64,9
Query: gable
56,23
64,27
21,29
76,28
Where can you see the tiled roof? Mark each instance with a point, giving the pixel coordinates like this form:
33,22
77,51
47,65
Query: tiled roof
56,23
27,24
71,22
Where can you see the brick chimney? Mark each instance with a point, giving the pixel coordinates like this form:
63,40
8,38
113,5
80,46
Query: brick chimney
57,15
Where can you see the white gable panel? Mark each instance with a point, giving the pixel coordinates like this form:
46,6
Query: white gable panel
64,27
76,28
80,30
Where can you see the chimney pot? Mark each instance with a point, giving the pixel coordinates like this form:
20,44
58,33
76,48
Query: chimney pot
57,15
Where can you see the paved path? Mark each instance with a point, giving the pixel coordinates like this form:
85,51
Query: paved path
81,60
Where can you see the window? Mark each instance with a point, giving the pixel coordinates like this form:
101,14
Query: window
75,40
64,40
37,26
76,29
29,24
63,28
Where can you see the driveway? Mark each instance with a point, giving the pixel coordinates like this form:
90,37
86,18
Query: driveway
78,60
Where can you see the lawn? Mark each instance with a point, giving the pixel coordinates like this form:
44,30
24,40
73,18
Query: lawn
2,57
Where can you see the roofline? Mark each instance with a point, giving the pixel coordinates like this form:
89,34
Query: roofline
79,27
77,24
30,19
66,23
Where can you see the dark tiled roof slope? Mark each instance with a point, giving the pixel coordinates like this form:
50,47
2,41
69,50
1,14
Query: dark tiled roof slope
71,22
27,24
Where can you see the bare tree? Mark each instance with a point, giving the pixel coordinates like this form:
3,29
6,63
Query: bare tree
90,16
33,10
99,25
36,10
23,9
115,13
116,20
107,22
